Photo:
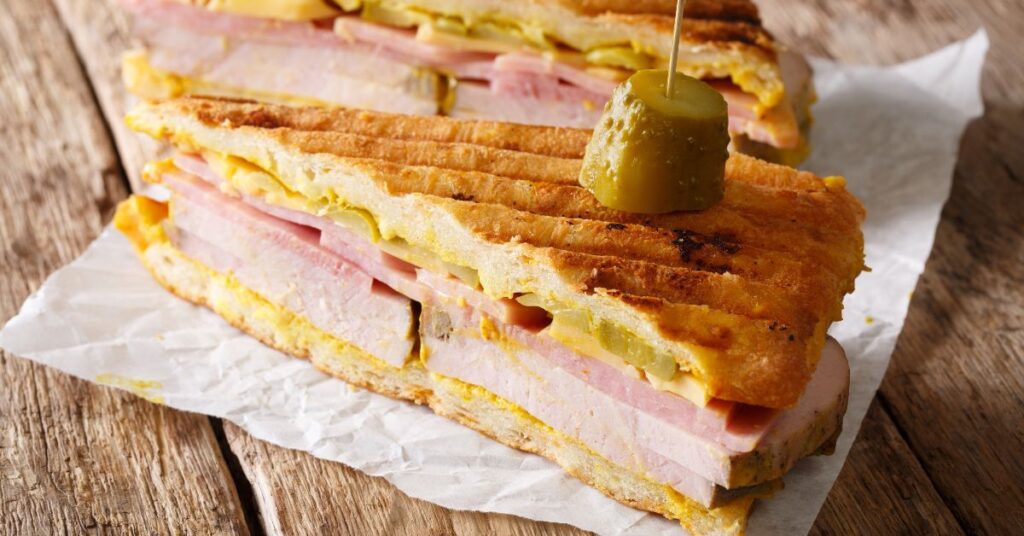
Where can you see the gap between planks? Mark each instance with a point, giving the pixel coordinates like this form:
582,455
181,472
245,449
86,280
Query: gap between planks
244,488
883,403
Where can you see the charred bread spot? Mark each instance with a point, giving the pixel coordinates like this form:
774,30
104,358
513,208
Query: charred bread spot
725,244
686,242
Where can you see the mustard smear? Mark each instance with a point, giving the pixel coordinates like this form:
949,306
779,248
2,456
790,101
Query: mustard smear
140,388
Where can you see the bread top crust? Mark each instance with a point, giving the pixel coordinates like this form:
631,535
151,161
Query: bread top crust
752,283
736,10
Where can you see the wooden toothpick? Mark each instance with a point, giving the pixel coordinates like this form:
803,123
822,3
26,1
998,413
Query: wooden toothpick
674,56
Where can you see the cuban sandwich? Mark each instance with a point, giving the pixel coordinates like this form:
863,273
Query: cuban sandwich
679,363
549,62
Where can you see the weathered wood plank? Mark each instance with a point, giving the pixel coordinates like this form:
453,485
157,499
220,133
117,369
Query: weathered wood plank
75,457
100,30
300,494
883,482
880,31
956,384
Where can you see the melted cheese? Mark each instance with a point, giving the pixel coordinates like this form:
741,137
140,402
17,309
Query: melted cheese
295,10
682,384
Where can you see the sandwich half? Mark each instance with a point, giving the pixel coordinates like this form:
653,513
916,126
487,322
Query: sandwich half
550,62
679,363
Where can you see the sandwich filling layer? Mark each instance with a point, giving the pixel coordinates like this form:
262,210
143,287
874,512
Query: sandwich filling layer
328,273
411,63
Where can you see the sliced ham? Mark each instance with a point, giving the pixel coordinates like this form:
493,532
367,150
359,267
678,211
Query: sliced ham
357,75
446,289
456,348
402,43
150,14
525,62
417,283
284,262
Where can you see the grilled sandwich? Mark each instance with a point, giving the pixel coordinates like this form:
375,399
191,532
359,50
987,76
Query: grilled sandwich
550,62
679,363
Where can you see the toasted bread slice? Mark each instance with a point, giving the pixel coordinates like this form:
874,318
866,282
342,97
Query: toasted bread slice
740,294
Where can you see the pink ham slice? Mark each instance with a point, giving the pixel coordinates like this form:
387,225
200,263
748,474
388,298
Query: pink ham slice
403,43
475,100
343,32
300,61
182,17
524,62
284,262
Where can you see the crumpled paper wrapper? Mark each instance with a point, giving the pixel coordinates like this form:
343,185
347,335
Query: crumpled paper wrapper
892,131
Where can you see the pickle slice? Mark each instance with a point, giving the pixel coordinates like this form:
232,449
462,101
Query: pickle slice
624,57
652,154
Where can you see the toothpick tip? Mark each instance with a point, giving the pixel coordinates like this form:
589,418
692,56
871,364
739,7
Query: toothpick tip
674,55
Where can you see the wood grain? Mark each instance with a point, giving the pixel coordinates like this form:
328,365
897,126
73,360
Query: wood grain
300,494
100,30
881,31
885,483
956,384
75,457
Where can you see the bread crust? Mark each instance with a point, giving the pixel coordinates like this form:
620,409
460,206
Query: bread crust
738,10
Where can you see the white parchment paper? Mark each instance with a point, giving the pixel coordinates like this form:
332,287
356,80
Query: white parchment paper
893,132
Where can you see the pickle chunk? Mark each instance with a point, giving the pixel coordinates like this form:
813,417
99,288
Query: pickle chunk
652,154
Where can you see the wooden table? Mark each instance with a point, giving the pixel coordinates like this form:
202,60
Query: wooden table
940,451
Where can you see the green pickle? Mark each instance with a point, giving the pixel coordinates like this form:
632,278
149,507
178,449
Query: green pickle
652,154
624,57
